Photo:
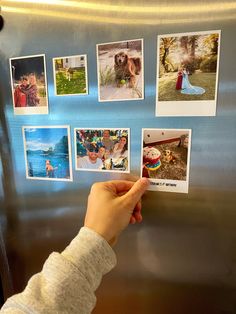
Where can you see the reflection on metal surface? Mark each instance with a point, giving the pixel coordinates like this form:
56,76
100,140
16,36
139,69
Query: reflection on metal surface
197,245
181,259
157,9
147,256
125,14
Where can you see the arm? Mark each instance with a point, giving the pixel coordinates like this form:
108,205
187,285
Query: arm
81,162
125,154
32,95
68,280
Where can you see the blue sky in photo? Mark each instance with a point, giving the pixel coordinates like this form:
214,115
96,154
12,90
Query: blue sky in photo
43,138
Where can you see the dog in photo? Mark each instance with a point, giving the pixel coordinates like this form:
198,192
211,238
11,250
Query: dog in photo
126,68
168,156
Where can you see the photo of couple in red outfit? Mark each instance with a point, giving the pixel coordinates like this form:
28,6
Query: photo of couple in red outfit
26,93
29,85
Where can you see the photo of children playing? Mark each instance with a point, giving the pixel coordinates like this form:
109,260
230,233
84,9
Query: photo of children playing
102,149
70,75
47,153
188,66
120,70
29,82
165,154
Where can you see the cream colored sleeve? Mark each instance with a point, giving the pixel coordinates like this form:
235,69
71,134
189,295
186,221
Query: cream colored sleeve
68,280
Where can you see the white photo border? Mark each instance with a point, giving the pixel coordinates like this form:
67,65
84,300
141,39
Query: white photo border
30,110
69,151
167,185
98,74
192,107
99,170
86,75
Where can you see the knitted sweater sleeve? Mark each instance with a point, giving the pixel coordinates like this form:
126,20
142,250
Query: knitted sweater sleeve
68,280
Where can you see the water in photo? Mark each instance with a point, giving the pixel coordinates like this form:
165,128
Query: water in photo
47,153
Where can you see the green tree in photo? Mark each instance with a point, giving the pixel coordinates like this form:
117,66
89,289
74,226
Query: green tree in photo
166,44
62,146
209,63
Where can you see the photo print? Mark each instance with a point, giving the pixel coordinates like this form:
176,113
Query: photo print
102,150
29,85
187,74
47,152
166,158
120,70
70,75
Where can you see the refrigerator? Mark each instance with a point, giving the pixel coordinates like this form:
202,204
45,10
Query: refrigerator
182,257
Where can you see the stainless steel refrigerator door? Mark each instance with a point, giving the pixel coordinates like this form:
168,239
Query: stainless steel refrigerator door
182,258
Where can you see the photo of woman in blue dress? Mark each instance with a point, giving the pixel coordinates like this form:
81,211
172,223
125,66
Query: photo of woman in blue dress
189,89
187,66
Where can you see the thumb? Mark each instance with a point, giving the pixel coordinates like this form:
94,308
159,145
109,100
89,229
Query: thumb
135,193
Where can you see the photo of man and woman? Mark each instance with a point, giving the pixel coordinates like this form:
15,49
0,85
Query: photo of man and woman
47,153
29,85
187,73
102,150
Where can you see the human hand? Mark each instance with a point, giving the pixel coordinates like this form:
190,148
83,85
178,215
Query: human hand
112,205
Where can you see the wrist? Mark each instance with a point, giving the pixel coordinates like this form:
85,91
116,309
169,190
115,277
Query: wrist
111,240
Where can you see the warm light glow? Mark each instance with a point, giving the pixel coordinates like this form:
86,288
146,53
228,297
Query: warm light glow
125,14
185,57
158,9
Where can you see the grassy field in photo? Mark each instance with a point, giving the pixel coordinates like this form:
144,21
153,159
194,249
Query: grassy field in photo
167,83
107,76
76,85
